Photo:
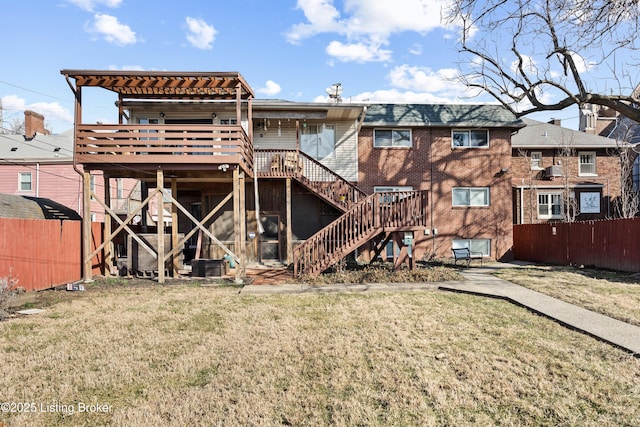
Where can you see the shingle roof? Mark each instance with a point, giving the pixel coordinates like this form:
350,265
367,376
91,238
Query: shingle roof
546,135
441,115
42,148
12,206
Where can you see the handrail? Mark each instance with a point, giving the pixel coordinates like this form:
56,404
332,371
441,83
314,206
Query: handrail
128,143
309,172
388,211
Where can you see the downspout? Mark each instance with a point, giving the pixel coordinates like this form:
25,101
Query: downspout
256,195
37,179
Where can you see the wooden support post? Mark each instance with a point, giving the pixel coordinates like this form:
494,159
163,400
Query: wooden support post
160,225
236,221
243,226
174,227
108,253
289,230
86,226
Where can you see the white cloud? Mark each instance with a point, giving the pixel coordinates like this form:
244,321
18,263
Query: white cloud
358,52
90,5
424,79
416,49
365,24
271,88
53,112
112,30
126,68
201,34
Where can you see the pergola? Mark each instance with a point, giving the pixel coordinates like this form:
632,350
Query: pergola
113,148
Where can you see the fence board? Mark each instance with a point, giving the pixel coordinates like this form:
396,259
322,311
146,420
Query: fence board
606,244
42,254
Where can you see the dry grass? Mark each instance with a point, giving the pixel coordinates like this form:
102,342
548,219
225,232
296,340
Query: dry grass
193,355
384,273
610,293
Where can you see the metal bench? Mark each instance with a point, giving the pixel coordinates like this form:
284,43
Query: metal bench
465,254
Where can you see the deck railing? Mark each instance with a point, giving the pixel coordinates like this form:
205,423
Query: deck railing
309,172
377,213
161,144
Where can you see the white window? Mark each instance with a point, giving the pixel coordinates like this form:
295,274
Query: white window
470,196
536,160
119,188
318,141
470,138
383,138
587,163
390,189
550,205
474,245
24,179
92,185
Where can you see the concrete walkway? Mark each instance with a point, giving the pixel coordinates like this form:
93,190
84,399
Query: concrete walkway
479,281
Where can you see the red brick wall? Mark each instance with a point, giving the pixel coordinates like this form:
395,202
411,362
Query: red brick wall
607,182
432,164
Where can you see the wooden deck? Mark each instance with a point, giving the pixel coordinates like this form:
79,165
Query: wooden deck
193,146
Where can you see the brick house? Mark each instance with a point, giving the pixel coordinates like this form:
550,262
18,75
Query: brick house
559,174
302,183
460,155
39,164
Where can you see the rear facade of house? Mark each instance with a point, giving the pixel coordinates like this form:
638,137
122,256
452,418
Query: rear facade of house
308,184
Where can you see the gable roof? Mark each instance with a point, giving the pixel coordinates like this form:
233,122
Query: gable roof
441,115
41,149
546,135
24,207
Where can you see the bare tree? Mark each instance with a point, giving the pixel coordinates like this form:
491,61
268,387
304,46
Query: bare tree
534,55
628,203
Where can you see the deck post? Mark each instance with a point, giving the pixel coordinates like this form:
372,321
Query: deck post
289,230
174,227
86,226
160,224
108,253
237,228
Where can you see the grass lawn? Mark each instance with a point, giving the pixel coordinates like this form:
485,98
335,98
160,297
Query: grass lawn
181,355
611,293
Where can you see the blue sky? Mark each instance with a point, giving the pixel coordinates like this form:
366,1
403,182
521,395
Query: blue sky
381,51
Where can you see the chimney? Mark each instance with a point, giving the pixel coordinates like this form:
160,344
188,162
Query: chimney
34,123
557,122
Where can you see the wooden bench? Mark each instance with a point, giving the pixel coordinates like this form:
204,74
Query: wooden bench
465,254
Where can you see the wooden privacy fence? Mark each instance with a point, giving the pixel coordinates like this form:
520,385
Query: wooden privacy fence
42,254
611,244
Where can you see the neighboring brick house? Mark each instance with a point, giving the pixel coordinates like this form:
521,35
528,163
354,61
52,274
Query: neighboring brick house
38,164
559,174
461,155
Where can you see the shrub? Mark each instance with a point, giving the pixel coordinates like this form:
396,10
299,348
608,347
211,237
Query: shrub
8,290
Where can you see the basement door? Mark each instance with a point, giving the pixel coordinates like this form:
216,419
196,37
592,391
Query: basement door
270,239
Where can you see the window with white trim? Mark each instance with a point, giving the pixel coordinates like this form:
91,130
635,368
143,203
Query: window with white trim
587,163
390,189
536,160
470,138
385,138
474,245
318,141
24,181
470,196
550,205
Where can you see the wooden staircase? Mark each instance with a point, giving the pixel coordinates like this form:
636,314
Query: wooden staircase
311,174
375,214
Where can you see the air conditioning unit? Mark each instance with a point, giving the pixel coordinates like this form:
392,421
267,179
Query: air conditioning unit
553,171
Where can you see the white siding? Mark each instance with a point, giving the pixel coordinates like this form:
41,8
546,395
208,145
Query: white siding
344,162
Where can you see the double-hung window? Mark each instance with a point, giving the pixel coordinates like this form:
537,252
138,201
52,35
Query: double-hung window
390,138
587,163
318,141
470,138
24,179
536,160
470,196
549,205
